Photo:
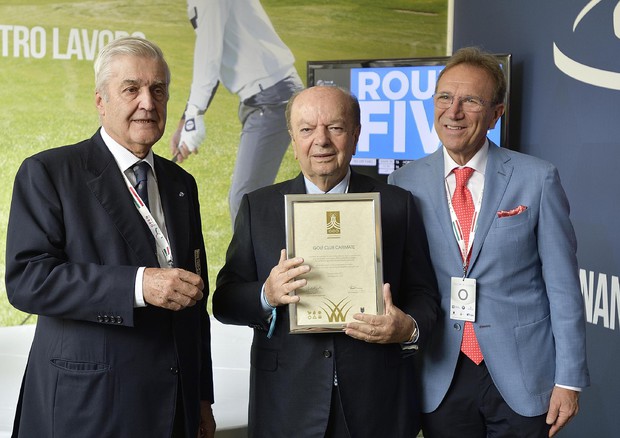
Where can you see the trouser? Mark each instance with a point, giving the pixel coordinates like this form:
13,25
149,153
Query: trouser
264,140
474,408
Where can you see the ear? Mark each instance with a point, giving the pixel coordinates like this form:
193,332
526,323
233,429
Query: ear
99,103
356,136
498,111
293,144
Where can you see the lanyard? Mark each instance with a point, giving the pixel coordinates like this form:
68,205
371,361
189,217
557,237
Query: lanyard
459,233
163,247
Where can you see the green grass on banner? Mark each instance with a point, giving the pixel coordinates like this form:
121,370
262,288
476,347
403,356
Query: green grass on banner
45,103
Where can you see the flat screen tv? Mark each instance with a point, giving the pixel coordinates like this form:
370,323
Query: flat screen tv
396,100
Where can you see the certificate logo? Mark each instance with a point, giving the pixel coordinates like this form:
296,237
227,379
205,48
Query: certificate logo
332,222
337,312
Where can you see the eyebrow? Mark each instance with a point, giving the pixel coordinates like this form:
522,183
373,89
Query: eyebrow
138,82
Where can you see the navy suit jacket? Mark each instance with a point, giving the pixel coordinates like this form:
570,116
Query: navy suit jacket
98,366
530,315
292,376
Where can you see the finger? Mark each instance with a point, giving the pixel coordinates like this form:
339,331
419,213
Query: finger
287,264
552,414
184,150
291,274
191,278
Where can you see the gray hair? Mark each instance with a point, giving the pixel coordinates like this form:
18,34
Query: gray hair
125,46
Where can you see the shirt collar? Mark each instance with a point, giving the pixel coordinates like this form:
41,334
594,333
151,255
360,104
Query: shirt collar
123,157
341,187
478,162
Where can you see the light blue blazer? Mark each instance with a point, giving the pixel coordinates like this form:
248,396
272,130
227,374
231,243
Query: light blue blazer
530,314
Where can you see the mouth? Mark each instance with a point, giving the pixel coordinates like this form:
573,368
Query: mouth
453,128
143,121
323,157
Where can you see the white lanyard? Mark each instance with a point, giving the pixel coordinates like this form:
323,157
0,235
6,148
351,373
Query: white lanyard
162,243
458,231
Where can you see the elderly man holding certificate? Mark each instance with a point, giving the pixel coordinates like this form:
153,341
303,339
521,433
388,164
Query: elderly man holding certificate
328,358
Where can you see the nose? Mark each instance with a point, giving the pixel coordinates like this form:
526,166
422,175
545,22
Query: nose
147,100
321,136
455,108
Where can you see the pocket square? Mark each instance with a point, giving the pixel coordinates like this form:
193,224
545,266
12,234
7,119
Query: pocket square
515,211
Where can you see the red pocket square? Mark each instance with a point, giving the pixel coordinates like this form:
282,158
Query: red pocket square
515,211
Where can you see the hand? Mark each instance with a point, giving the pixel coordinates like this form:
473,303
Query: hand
188,136
173,289
281,280
392,327
207,421
564,405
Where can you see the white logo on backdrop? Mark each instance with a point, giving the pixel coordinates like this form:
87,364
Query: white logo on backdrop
586,73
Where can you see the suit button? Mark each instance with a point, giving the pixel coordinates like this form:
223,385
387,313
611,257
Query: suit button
457,326
106,318
99,318
174,370
119,319
327,353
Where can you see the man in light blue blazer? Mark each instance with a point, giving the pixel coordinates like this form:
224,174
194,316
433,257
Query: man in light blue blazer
514,277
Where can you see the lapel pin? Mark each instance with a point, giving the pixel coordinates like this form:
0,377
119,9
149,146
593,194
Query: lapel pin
181,194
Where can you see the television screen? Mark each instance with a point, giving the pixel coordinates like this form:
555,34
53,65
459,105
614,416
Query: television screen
396,101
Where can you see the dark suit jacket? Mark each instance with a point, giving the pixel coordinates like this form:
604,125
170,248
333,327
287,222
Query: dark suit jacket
98,367
291,376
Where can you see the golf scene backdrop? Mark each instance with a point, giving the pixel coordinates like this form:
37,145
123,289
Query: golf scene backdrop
47,50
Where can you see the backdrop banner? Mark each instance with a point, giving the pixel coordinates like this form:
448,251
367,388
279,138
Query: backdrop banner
565,109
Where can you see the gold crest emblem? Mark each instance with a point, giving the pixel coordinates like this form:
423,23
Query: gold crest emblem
333,222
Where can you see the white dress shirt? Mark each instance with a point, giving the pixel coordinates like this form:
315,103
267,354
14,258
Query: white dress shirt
125,160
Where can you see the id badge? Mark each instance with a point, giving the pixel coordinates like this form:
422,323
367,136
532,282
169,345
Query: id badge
463,299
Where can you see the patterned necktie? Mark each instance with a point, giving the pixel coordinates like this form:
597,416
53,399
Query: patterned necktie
141,170
463,205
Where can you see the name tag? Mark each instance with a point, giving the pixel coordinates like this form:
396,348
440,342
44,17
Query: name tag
463,299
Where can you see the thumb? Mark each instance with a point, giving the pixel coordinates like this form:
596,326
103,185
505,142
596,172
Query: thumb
282,256
387,297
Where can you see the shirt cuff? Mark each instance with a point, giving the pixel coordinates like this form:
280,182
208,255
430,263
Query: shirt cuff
138,297
572,388
263,299
413,339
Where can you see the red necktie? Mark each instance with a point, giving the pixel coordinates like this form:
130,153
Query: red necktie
463,205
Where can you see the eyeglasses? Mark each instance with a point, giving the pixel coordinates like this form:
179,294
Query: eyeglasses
470,104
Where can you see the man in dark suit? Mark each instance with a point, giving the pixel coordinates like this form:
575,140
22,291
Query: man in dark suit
352,384
115,273
513,364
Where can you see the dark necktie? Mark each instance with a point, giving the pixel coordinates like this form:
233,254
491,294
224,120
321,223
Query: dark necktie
463,205
141,170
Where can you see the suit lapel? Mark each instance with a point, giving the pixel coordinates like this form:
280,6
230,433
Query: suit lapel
107,185
359,184
496,178
439,200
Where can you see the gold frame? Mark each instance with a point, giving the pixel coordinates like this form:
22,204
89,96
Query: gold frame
339,236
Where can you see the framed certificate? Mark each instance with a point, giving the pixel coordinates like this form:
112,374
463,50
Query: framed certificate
339,237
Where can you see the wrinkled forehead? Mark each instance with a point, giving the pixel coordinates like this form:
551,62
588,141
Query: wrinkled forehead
319,107
466,80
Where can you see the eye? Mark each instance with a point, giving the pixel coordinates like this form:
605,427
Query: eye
443,97
160,92
472,100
